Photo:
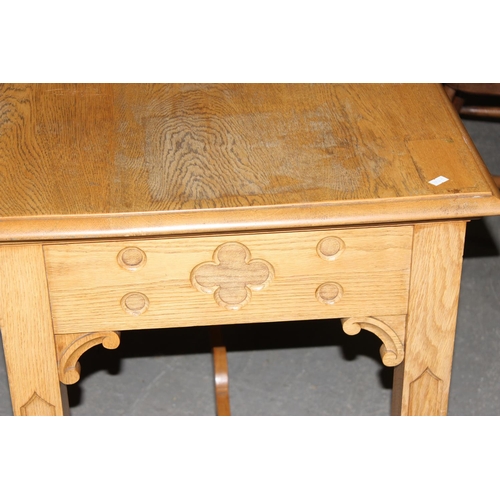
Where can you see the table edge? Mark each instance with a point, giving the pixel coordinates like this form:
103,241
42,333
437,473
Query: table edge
263,218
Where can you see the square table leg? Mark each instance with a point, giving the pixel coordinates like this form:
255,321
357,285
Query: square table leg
27,333
422,381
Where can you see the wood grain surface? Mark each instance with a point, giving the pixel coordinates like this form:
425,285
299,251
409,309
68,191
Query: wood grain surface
160,158
223,204
87,284
422,381
27,333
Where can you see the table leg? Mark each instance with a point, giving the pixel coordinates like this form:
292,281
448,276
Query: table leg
27,333
422,381
221,374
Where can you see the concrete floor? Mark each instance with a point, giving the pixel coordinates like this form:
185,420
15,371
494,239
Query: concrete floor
300,368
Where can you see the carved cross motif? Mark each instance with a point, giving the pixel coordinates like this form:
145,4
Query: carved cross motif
232,275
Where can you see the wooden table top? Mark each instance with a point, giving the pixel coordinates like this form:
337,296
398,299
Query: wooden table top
113,160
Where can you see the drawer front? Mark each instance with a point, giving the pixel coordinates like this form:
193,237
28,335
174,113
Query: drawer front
163,283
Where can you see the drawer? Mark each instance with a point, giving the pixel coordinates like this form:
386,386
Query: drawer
191,281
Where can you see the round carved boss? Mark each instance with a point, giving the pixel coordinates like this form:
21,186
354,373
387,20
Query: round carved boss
131,258
135,303
329,293
330,248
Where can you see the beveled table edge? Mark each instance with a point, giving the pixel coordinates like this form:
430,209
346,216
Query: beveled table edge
263,218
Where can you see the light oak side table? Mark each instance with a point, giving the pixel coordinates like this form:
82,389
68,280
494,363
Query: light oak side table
129,207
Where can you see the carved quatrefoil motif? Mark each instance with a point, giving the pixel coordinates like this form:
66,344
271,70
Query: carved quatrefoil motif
232,275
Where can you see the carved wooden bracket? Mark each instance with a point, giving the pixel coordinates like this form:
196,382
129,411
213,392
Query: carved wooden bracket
392,349
232,275
71,346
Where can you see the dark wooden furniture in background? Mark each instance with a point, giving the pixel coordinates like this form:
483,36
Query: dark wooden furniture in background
462,97
468,100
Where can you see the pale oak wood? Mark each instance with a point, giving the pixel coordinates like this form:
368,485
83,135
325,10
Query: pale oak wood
289,217
264,166
71,346
27,333
97,161
87,284
390,330
232,275
422,381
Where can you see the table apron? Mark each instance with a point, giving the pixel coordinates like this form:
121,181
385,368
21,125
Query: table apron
262,277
